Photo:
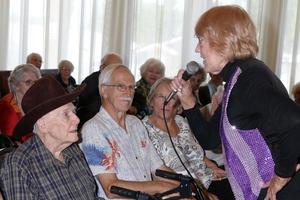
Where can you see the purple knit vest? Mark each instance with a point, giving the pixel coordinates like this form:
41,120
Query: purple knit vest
248,160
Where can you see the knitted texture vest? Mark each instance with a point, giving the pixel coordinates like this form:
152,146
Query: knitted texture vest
248,160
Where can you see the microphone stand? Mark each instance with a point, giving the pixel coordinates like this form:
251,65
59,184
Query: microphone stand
199,195
184,190
138,195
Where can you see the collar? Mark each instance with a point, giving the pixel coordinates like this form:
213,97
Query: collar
47,155
230,68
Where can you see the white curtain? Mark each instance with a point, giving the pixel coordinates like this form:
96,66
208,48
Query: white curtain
57,29
83,30
4,8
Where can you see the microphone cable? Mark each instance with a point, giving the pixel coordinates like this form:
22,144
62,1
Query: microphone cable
198,190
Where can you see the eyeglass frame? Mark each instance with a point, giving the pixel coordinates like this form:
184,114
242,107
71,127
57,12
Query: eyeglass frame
164,98
29,82
121,87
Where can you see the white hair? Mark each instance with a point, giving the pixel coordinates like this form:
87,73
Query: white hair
65,63
16,75
152,63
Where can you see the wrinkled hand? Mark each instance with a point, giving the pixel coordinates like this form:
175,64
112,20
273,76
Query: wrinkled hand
219,173
214,105
275,185
212,196
184,91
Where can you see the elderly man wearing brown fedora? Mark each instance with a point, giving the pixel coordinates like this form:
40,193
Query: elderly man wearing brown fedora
48,165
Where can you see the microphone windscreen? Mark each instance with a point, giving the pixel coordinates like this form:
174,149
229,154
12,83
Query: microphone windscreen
191,68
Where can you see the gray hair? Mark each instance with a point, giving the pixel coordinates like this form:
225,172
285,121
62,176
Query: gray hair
29,57
65,63
16,75
106,59
155,86
152,63
105,75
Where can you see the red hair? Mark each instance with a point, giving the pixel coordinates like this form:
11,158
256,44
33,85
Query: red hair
229,30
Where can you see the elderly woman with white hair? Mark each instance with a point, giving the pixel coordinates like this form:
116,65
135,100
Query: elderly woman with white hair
19,81
152,70
65,68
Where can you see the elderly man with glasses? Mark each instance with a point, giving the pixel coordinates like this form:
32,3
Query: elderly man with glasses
116,145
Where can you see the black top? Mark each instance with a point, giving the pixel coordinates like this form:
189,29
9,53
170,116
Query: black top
258,100
204,95
68,87
89,100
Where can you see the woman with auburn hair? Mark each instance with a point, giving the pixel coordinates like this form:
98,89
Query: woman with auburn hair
257,123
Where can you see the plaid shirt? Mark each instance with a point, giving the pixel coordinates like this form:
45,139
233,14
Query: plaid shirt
31,172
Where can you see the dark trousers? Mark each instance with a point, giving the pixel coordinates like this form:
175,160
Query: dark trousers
221,189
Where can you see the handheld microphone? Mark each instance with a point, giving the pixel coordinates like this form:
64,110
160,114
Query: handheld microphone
129,193
191,68
173,176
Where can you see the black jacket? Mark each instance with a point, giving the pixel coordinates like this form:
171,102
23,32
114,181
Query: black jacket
258,100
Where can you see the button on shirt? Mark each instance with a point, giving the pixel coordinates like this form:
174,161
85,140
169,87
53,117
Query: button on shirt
31,172
109,148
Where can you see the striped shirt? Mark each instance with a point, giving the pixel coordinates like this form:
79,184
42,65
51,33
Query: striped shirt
31,172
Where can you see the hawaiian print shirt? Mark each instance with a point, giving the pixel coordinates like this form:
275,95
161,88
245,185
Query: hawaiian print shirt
109,148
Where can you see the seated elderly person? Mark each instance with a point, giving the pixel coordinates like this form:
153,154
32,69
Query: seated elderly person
189,150
35,59
116,145
19,81
48,165
65,68
151,71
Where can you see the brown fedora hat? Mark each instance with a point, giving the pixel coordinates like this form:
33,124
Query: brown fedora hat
42,97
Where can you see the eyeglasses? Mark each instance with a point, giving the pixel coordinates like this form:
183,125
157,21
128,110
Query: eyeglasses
164,98
29,82
122,87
